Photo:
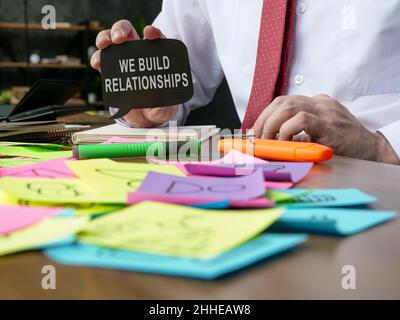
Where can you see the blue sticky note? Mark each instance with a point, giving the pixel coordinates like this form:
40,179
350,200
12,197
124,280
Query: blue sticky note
264,246
340,222
328,198
60,243
66,213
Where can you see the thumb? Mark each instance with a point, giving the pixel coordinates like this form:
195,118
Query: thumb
152,33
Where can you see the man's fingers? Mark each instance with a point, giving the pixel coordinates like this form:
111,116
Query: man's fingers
137,118
283,113
152,33
160,115
95,60
302,121
123,31
275,105
103,39
259,124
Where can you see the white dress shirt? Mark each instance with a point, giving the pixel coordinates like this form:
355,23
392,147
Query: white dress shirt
348,49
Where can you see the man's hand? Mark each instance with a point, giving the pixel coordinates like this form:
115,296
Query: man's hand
121,32
325,121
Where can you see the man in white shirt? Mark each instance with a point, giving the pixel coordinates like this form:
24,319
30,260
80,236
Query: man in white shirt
344,78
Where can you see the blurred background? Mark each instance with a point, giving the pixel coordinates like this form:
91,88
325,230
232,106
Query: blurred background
28,53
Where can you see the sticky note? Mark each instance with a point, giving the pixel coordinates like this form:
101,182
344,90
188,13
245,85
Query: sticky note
56,191
303,198
17,162
48,169
137,197
341,221
239,158
13,218
262,247
42,153
237,188
273,171
79,209
172,230
127,140
46,231
111,177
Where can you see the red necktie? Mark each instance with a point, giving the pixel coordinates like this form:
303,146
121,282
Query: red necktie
273,57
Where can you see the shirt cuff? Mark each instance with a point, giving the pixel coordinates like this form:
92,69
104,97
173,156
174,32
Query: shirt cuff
392,134
179,118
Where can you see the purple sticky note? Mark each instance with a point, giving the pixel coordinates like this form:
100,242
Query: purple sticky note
238,188
273,171
137,197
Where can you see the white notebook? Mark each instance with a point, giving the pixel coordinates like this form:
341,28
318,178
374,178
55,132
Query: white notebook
103,134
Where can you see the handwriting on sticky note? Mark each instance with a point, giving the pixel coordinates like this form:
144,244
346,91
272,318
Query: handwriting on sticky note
239,188
111,177
302,198
46,231
273,171
56,191
177,231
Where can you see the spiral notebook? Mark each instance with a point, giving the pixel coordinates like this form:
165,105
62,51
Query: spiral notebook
39,132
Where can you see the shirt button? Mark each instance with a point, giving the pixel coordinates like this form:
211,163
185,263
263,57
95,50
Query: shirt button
301,8
299,79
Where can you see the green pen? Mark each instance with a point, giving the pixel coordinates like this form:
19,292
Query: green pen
136,149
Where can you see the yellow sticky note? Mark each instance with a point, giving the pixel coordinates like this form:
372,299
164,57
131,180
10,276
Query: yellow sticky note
44,232
80,209
56,191
172,230
111,177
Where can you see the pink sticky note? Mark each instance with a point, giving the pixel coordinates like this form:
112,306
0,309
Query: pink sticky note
237,188
137,197
13,218
127,140
236,157
278,185
55,169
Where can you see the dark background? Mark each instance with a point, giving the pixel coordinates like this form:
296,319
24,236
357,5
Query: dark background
48,44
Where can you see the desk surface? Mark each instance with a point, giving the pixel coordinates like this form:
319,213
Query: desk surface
312,271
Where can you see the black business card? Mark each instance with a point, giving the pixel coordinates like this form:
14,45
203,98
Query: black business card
145,74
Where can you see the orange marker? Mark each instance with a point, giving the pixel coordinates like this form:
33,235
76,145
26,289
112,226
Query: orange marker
278,150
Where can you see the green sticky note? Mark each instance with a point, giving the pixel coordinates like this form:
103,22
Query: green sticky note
41,153
45,232
79,209
281,196
111,177
17,162
57,191
179,231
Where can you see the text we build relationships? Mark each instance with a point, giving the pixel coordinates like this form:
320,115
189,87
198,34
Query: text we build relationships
146,81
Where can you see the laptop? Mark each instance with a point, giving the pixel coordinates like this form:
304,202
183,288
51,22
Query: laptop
44,102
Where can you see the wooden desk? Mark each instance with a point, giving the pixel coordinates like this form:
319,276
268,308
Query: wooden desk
311,272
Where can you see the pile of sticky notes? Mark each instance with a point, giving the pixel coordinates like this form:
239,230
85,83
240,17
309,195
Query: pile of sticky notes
201,220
